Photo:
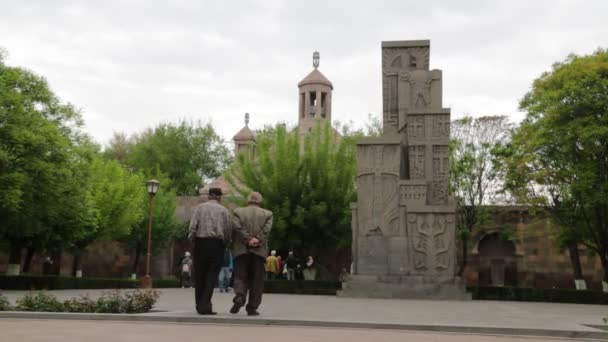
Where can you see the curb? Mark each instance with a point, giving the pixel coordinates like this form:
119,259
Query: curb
594,335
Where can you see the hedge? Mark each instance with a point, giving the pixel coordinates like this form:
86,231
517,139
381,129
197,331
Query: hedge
41,282
522,294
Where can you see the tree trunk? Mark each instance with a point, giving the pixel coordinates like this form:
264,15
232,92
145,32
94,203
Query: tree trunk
77,263
28,259
463,259
605,269
56,269
14,261
575,260
136,262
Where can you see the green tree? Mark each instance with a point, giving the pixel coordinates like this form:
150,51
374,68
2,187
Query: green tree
309,190
473,178
165,226
567,125
117,197
186,152
37,136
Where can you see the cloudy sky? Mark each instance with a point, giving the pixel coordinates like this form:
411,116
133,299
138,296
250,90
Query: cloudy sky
132,64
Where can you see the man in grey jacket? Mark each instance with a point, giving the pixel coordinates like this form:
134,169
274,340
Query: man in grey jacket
210,231
250,247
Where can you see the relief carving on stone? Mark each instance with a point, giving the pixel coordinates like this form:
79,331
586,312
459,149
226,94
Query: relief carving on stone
431,241
413,192
440,173
416,161
420,87
405,58
421,241
415,126
441,126
378,211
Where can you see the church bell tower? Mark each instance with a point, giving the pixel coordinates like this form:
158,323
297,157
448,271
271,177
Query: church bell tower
315,92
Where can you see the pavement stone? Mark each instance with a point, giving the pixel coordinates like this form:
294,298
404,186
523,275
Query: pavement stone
493,317
77,331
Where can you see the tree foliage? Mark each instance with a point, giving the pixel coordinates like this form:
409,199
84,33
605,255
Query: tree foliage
561,147
309,189
39,175
186,152
473,178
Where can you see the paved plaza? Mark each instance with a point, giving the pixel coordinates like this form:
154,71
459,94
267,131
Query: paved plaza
485,317
77,331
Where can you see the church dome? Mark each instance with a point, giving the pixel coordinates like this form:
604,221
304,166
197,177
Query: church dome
244,134
315,77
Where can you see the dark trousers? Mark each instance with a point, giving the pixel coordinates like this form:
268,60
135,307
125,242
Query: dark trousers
248,276
185,279
208,260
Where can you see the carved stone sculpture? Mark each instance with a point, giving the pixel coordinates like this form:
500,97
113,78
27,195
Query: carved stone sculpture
403,222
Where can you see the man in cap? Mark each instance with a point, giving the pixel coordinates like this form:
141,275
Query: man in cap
210,231
250,247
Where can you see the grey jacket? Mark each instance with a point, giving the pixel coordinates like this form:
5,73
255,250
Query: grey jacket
211,220
249,222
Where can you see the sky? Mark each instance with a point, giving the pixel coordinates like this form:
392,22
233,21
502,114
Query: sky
132,64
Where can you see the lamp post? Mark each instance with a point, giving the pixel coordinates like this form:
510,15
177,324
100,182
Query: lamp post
152,186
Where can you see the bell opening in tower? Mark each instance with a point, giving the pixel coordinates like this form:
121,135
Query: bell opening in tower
313,103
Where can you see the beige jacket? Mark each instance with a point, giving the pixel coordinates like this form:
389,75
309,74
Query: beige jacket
251,221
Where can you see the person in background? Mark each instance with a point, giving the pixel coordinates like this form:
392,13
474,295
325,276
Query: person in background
186,271
272,266
226,272
210,231
281,264
291,264
310,269
47,266
250,247
344,275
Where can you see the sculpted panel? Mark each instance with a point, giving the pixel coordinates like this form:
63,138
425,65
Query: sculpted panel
378,184
441,166
432,234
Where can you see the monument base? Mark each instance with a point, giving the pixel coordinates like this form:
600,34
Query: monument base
404,287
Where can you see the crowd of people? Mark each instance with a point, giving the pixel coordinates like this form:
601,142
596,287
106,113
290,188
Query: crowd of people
276,268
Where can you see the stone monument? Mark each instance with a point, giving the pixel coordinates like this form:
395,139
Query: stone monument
403,223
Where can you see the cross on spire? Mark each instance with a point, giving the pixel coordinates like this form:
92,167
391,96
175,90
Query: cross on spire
315,59
247,119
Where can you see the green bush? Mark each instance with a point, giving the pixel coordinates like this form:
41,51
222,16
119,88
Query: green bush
39,302
81,304
538,295
136,301
5,305
127,302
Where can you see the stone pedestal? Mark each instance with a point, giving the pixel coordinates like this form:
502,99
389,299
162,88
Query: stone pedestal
403,223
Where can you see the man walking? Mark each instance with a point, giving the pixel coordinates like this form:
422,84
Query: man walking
252,227
210,230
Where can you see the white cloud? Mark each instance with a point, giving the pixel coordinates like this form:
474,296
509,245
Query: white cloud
132,64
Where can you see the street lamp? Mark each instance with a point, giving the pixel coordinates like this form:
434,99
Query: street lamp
152,186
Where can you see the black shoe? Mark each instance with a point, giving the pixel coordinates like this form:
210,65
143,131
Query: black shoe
235,308
207,313
253,313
